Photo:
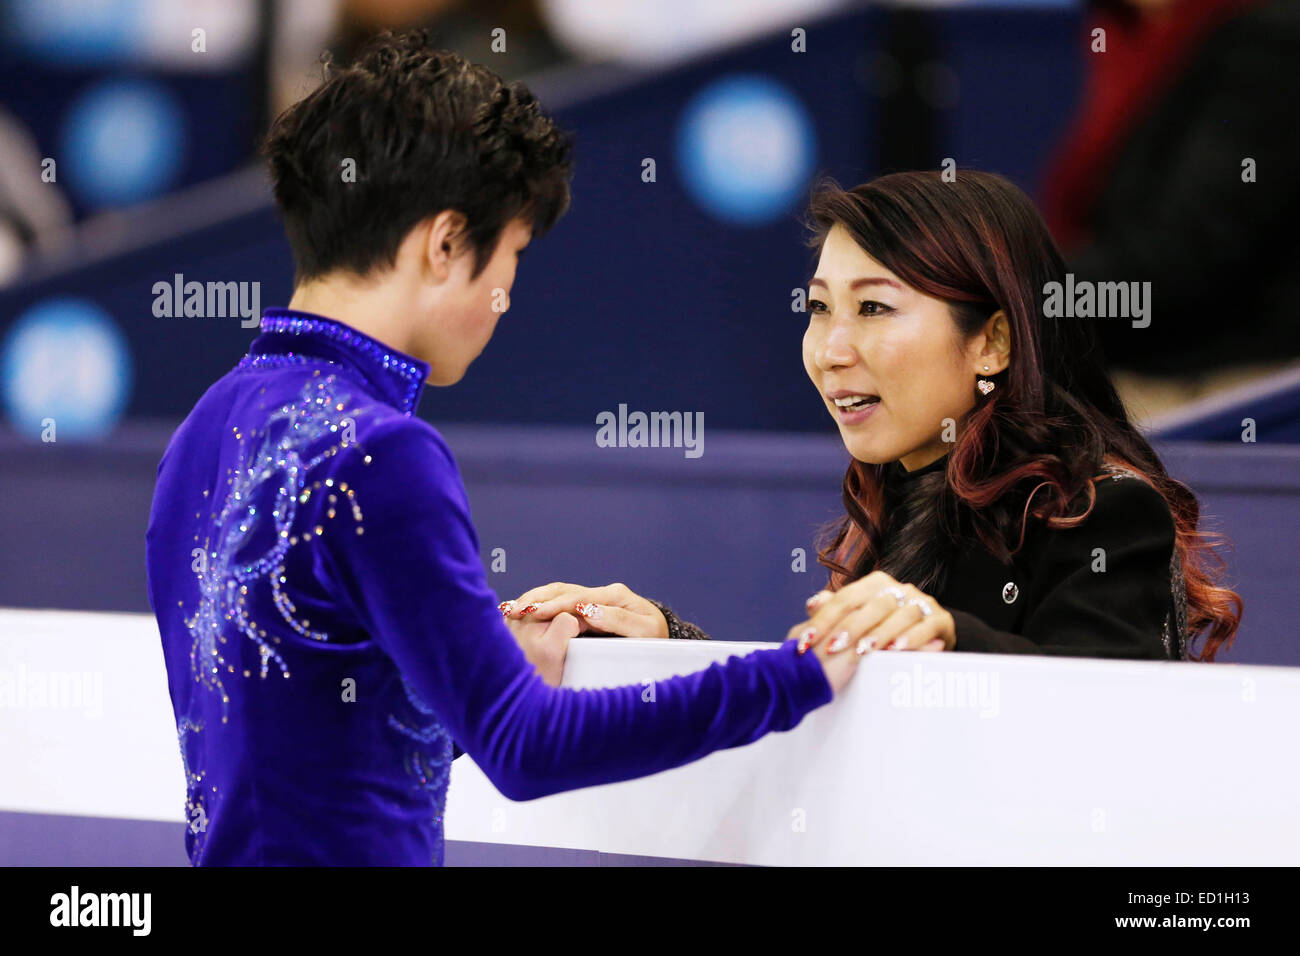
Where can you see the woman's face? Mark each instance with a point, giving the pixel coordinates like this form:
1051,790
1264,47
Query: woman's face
870,336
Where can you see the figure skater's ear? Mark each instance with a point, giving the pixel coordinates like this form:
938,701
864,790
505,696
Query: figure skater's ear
444,241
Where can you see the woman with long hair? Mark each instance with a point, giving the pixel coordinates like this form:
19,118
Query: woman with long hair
998,498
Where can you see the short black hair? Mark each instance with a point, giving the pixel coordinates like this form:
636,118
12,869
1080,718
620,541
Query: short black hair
427,131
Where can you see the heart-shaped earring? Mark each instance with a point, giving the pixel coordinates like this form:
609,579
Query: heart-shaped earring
985,386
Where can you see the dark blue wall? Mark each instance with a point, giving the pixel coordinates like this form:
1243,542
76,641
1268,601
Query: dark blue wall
639,295
712,537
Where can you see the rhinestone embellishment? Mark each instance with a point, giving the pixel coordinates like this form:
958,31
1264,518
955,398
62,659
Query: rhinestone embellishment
1010,592
410,371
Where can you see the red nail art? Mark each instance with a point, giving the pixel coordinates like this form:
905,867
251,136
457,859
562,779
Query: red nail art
806,639
530,609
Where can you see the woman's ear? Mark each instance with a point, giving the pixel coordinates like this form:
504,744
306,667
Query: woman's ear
995,351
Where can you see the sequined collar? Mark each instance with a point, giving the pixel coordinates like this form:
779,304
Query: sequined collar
289,336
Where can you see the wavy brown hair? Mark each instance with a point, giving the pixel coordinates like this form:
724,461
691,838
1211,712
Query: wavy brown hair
1052,423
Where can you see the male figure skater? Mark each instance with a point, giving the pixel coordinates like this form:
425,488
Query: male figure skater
325,616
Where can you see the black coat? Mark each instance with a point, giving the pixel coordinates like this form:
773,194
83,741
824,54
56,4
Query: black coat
1054,596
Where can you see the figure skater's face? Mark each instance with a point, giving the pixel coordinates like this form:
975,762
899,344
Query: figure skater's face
890,353
467,307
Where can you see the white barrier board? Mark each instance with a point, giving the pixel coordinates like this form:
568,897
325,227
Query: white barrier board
926,759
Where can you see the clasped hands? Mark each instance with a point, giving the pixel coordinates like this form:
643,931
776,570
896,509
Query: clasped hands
875,612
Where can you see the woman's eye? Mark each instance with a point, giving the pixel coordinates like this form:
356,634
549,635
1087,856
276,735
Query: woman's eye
816,305
872,307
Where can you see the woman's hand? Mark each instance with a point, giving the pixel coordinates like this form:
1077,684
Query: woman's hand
876,613
545,643
616,609
613,609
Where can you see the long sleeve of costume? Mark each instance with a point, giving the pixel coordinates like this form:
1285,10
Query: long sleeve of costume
1082,610
414,581
678,629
